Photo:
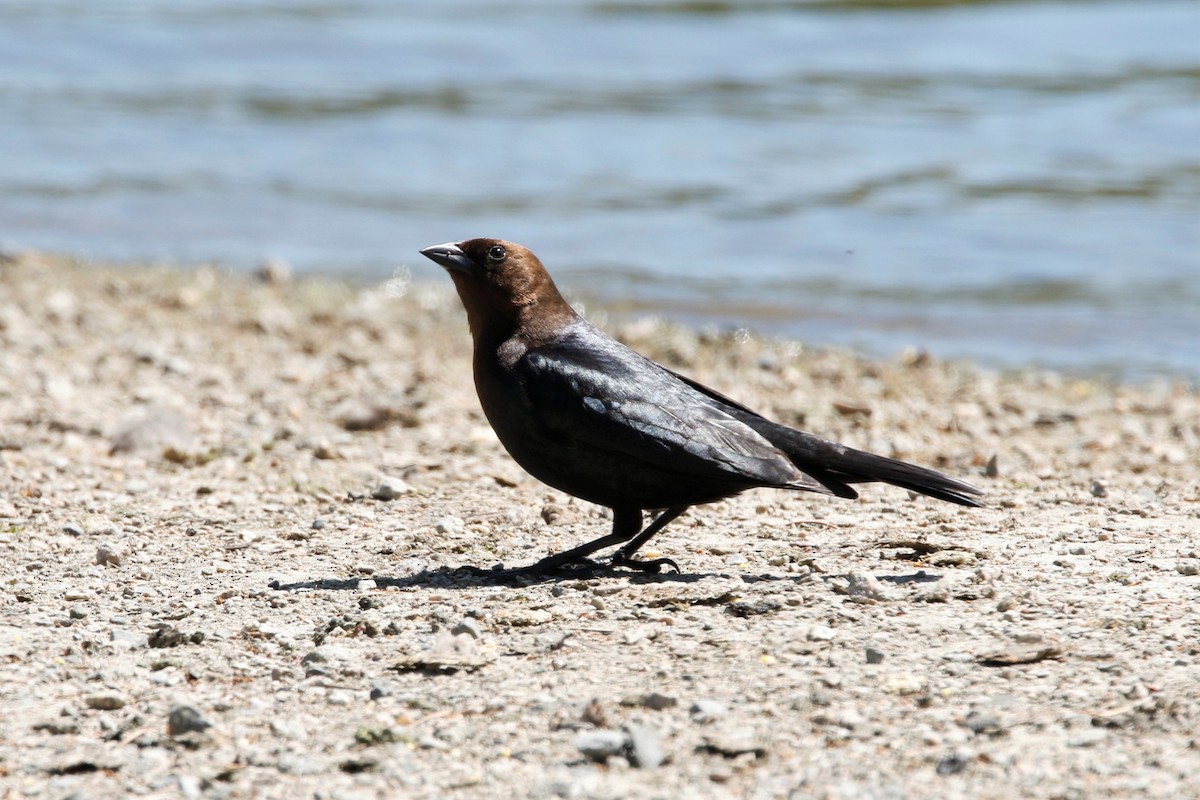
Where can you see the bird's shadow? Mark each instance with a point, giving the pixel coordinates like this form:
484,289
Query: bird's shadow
463,578
449,578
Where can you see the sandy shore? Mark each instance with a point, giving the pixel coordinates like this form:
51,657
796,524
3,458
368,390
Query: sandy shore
228,510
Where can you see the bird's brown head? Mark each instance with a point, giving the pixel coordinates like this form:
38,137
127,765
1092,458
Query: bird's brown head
503,286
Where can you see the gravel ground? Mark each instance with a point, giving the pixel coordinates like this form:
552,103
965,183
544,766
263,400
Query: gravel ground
230,510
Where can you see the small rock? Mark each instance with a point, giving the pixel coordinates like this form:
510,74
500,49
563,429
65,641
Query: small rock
274,271
706,711
983,724
366,584
600,745
1088,737
313,657
56,727
77,612
318,524
389,490
735,743
107,557
952,558
904,683
1098,489
951,764
468,626
864,588
645,746
105,701
381,689
820,633
992,469
167,636
874,656
450,524
657,701
185,719
595,713
448,654
1188,566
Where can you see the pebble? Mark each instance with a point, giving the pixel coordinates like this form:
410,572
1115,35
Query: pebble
382,689
1098,489
951,764
1188,566
318,524
706,711
366,584
903,683
600,745
185,719
468,626
983,724
732,744
645,746
317,656
450,524
274,271
105,701
107,557
864,588
820,633
657,701
389,490
874,656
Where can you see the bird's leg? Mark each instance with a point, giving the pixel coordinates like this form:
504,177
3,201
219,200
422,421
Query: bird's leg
624,556
626,523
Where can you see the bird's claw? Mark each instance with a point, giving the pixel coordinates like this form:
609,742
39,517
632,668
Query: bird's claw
651,566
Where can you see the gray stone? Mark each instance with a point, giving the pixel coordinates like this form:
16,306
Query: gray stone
185,719
645,746
468,626
602,744
705,711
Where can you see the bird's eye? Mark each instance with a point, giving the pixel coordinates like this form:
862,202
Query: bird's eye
496,253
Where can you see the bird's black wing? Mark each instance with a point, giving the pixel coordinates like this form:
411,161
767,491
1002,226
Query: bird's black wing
836,466
596,392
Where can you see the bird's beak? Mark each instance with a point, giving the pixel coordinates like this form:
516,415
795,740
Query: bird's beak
449,256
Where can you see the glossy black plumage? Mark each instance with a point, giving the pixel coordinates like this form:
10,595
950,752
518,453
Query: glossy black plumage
591,417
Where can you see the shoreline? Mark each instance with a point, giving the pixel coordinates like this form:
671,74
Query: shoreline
241,498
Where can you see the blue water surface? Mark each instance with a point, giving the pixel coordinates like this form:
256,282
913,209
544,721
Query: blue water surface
1012,182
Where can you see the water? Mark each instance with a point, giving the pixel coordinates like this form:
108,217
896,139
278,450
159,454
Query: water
1013,182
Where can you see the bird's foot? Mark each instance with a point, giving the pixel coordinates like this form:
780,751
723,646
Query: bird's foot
652,566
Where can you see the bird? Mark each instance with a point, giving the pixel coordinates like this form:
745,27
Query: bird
595,419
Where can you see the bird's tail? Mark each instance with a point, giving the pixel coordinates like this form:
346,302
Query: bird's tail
835,466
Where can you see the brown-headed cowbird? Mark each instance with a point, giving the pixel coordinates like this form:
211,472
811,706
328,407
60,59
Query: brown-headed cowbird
591,417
